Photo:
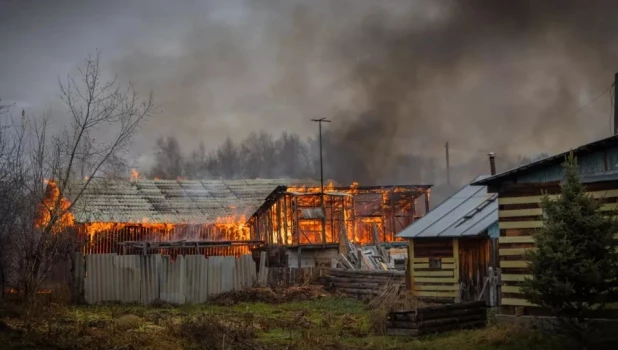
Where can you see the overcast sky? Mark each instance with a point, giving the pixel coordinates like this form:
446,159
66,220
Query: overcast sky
229,67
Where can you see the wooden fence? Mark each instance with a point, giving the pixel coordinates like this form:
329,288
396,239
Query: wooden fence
437,319
361,283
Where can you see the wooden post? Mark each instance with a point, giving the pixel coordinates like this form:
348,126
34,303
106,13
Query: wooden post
285,218
280,238
296,225
456,271
411,264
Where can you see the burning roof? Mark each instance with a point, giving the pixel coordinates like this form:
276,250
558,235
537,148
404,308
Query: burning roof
172,201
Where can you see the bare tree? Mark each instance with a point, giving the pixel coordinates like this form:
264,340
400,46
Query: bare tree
258,155
104,117
196,164
168,159
229,162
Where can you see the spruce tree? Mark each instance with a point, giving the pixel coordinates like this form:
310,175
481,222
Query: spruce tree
573,268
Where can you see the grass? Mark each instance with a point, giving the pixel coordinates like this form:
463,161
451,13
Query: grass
323,323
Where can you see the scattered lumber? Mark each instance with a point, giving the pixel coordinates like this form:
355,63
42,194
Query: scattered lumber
437,319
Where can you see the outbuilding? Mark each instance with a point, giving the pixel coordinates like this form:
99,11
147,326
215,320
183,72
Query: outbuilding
450,248
520,214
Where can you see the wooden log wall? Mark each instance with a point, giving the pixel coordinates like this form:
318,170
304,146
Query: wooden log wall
428,281
520,215
437,319
362,283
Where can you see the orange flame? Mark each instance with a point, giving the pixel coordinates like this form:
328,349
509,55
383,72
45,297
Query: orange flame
134,174
48,208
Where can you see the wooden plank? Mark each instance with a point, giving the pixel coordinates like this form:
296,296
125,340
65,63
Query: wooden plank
456,270
515,302
521,200
514,278
537,199
421,266
520,212
410,276
511,289
448,260
609,207
513,251
448,266
452,287
514,264
421,260
520,224
516,239
433,273
435,280
451,294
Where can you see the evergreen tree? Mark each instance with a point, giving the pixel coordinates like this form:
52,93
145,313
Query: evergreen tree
574,264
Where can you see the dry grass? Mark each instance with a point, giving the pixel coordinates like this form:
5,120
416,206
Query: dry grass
394,297
319,323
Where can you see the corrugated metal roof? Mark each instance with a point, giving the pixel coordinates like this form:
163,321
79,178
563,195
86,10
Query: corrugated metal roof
469,212
170,201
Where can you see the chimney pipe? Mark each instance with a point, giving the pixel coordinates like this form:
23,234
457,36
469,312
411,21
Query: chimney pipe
615,102
492,163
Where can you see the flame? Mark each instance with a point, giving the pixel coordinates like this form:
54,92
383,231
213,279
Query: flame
15,291
51,206
298,218
234,228
134,174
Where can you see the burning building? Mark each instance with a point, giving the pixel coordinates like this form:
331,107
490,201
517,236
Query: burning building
234,217
169,217
295,218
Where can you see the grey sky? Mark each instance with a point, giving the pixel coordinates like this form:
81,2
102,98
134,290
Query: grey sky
229,67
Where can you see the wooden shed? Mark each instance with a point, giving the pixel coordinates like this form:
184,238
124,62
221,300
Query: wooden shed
519,197
450,248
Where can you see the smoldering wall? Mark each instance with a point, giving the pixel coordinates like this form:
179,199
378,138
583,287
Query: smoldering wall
398,79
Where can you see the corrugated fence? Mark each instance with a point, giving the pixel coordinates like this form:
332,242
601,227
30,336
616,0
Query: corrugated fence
146,278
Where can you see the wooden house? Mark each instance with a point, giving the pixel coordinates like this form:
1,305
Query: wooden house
519,195
449,249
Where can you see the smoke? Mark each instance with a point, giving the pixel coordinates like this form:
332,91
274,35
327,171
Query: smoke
397,78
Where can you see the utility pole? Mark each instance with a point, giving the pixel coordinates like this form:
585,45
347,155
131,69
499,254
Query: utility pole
320,121
448,167
615,131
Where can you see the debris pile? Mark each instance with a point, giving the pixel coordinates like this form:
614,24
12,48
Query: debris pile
379,256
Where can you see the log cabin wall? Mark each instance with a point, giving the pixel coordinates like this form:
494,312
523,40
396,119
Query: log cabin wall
520,216
438,266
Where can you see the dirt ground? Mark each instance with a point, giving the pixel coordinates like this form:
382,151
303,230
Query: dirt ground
294,318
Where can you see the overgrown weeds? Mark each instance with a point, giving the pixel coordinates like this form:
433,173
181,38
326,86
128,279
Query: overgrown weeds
393,297
319,323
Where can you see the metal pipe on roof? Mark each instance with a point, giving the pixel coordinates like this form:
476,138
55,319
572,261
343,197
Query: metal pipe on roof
492,163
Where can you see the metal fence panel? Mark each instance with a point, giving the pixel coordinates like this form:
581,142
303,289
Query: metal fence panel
189,279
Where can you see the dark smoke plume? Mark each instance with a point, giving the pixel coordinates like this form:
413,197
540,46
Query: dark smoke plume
398,79
481,74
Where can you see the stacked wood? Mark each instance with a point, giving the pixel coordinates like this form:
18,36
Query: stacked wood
437,319
362,283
